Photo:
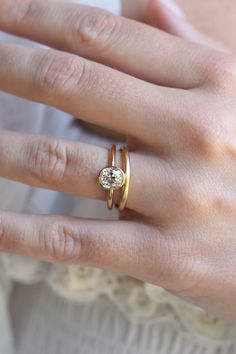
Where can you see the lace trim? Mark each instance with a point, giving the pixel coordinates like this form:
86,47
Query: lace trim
140,302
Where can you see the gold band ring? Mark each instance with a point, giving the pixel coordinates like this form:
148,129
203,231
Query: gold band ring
112,163
126,168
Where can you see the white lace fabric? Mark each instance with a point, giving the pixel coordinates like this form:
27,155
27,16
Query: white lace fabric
139,302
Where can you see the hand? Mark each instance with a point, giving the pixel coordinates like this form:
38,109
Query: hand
175,100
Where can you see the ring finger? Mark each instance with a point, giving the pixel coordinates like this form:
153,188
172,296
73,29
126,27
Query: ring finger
73,167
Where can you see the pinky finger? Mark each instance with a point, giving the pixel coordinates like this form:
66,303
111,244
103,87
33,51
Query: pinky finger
121,246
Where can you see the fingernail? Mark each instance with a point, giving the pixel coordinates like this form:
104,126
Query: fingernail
173,7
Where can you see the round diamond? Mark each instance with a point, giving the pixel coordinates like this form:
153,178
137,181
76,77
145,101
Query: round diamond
111,178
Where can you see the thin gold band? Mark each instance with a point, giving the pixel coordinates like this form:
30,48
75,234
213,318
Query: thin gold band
126,168
112,163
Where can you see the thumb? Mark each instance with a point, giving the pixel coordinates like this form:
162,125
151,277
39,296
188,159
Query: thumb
168,16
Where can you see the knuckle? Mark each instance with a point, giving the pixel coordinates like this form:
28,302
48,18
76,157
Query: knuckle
60,74
221,204
188,196
206,132
205,143
48,160
96,27
221,70
59,242
17,11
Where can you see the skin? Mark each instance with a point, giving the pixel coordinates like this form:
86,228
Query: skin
176,105
222,13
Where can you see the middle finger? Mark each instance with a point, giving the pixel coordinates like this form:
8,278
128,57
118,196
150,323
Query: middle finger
95,93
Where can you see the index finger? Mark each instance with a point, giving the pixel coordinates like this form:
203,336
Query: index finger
93,92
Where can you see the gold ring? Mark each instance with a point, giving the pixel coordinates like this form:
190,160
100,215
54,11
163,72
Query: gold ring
113,178
125,188
112,163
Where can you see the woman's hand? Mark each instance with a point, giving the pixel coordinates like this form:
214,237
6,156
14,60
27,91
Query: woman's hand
175,100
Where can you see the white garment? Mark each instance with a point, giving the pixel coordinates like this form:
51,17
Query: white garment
56,309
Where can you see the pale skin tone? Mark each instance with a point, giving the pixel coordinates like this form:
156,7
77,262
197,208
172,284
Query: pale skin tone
175,101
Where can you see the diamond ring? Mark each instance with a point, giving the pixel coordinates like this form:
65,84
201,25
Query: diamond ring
113,178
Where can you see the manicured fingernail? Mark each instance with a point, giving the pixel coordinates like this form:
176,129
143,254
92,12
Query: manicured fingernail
173,7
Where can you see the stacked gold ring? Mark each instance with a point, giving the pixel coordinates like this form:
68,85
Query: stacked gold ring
113,178
112,163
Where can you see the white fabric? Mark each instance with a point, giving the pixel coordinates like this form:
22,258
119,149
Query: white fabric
71,309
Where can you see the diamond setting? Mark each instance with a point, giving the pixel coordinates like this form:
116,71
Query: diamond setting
112,178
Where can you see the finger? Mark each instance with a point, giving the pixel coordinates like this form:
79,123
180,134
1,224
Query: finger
95,93
57,164
135,9
73,167
134,48
168,16
121,246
